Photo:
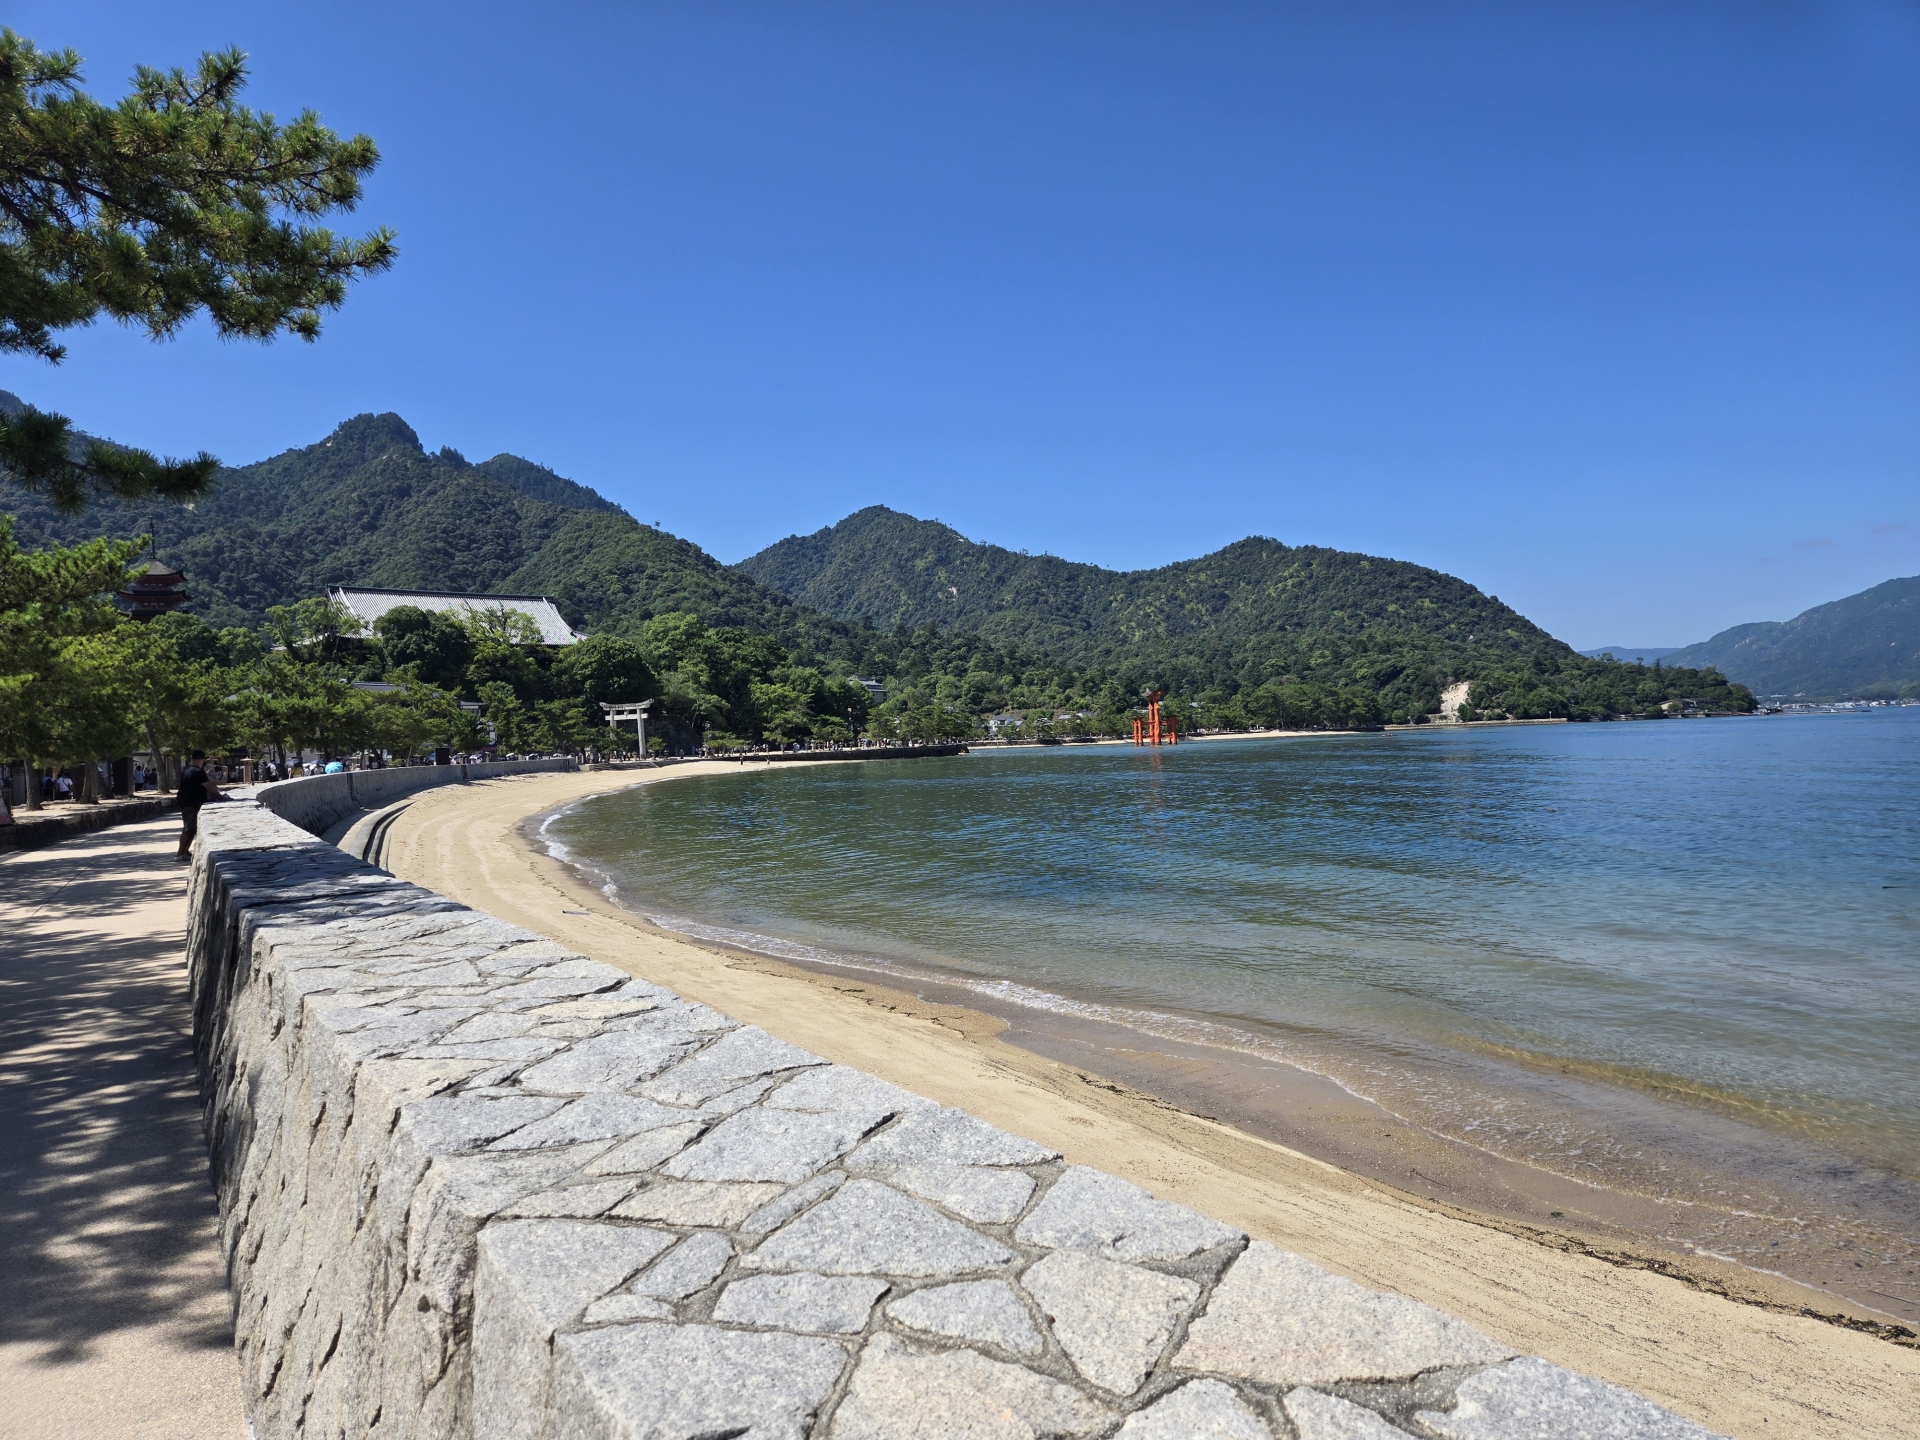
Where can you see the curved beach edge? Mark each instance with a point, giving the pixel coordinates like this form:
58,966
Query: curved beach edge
1738,1350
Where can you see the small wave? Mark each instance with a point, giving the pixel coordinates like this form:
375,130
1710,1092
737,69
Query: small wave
1160,1024
556,848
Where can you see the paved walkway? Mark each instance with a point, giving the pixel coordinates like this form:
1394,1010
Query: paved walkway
114,1322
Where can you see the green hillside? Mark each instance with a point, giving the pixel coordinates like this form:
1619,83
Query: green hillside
1257,633
369,506
1866,646
1255,613
898,570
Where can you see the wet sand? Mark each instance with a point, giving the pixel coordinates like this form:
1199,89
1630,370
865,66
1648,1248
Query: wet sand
1248,1141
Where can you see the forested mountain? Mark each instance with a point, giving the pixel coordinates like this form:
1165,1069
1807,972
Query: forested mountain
368,506
1259,632
1257,612
898,570
1866,646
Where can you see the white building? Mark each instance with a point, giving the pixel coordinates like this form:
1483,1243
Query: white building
369,605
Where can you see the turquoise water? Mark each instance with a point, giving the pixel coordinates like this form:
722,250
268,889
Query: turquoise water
1721,915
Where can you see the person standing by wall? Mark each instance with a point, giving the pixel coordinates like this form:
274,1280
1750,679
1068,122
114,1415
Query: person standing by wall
196,789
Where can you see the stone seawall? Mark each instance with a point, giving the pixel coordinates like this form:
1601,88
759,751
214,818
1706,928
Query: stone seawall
317,803
472,1184
30,829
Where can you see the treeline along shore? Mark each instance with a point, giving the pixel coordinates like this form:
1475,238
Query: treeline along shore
1260,635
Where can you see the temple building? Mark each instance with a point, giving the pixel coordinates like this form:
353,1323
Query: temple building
369,605
155,589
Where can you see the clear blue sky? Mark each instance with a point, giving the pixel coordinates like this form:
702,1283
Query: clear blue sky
1612,309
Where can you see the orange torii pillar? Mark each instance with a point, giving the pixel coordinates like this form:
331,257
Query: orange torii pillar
1150,733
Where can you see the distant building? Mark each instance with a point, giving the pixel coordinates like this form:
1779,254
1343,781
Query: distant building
874,688
369,605
154,590
1005,720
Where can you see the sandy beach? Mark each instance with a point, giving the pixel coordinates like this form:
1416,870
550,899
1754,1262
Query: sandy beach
1725,1345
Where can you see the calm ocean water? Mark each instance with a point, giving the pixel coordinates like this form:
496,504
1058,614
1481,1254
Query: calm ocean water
1721,915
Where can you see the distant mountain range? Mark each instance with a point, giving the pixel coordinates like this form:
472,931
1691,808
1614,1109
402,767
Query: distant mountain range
960,621
1866,646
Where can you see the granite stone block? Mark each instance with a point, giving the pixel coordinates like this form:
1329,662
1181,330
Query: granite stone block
1198,1410
715,1204
614,1061
777,1212
624,1307
1113,1320
729,1062
1092,1211
765,1144
600,1116
447,1123
1531,1397
581,1201
949,1137
847,1091
646,1150
557,1267
974,1192
1327,1417
1283,1320
690,1382
985,1311
870,1229
902,1393
691,1265
805,1303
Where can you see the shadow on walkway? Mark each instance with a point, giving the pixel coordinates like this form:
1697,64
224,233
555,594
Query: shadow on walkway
106,1210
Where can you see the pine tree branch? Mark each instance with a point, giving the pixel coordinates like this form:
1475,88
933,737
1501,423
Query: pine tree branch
41,454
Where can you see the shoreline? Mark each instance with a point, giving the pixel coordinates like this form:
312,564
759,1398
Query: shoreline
1734,1347
1692,1154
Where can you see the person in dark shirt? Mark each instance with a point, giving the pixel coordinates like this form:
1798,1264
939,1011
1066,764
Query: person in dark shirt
196,789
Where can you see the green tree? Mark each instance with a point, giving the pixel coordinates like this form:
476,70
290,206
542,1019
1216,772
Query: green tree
606,669
188,705
91,701
513,719
437,647
175,201
563,725
296,705
194,640
50,599
313,630
419,717
781,712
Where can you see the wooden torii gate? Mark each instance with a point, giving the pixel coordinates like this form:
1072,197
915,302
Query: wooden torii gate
1154,730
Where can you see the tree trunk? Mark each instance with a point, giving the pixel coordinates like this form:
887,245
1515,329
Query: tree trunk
160,786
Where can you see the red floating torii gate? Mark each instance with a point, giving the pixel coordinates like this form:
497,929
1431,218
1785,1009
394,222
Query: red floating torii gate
1155,729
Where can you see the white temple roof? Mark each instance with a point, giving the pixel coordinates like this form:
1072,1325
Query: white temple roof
370,605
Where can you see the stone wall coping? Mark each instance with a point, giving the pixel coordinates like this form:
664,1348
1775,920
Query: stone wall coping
318,803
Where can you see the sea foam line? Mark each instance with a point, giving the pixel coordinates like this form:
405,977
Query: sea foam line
1158,1023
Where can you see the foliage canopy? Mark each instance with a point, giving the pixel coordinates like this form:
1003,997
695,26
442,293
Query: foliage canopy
176,201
